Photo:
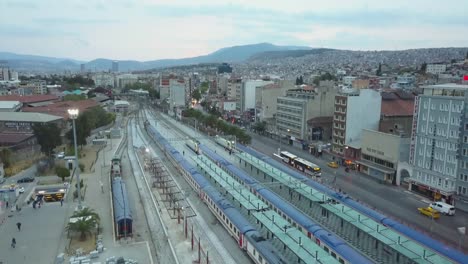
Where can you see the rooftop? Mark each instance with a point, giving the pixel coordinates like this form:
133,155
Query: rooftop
28,117
9,104
452,86
61,108
397,103
121,102
14,138
29,98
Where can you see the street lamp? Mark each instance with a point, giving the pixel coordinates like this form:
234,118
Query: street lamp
74,115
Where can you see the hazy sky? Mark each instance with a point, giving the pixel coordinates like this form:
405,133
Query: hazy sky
156,29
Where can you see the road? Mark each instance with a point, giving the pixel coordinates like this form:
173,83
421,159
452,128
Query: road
393,201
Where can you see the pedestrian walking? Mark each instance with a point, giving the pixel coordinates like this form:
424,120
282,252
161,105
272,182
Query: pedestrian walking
61,202
102,186
13,242
7,204
19,226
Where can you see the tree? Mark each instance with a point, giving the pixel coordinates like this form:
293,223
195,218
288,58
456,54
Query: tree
48,137
324,77
379,70
423,68
5,157
87,212
85,223
260,127
62,172
196,95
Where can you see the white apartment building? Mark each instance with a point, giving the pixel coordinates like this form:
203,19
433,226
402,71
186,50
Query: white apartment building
246,94
103,79
354,111
348,80
436,68
177,93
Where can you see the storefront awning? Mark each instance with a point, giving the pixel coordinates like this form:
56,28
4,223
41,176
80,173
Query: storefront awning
375,166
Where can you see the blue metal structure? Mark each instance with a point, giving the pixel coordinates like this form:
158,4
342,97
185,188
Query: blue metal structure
333,242
344,199
204,187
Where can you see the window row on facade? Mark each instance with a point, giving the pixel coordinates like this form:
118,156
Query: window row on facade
444,107
434,180
442,120
436,167
288,102
290,110
441,132
376,160
289,117
438,143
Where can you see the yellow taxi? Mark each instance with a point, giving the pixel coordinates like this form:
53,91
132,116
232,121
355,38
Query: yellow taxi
333,164
428,211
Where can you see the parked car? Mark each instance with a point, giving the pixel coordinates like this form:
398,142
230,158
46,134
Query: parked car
333,164
25,179
428,211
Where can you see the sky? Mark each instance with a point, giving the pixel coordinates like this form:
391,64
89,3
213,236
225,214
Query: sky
160,29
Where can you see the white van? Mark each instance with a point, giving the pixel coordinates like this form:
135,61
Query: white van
443,208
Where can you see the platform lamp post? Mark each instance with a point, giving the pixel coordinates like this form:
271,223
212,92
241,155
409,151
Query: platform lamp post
73,116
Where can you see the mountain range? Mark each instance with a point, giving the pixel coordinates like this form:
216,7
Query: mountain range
233,54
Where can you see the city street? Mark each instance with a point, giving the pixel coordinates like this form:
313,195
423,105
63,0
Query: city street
393,201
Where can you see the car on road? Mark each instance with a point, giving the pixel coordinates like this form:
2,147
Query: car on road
25,179
333,164
21,190
428,211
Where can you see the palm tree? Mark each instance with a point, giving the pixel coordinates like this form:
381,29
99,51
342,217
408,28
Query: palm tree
83,225
87,212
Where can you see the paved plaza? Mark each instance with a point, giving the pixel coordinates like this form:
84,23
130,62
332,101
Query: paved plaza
43,236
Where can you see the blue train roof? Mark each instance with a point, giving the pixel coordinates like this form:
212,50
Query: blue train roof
265,248
242,175
238,220
213,155
289,210
120,200
428,241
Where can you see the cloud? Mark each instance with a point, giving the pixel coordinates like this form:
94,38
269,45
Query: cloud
69,21
152,29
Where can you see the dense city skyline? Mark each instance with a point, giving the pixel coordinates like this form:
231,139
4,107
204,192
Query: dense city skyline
148,30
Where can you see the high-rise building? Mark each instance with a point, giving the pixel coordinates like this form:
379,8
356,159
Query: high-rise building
4,71
115,66
435,141
83,68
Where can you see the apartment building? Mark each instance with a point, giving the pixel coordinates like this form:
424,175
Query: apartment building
436,68
245,96
435,140
354,110
461,183
266,98
300,105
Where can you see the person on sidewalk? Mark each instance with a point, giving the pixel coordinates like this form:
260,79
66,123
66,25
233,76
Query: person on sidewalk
61,202
19,226
13,243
